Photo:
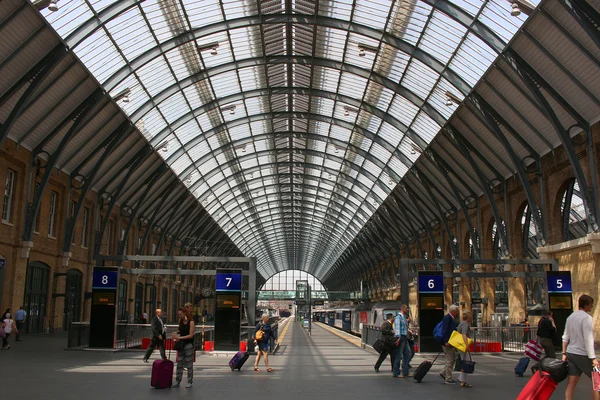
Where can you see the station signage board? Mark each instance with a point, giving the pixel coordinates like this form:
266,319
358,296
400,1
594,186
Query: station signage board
228,281
559,282
431,282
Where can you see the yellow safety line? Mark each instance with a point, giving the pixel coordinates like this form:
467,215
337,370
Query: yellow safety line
282,336
345,336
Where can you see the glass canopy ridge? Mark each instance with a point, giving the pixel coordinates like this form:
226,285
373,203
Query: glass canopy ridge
289,121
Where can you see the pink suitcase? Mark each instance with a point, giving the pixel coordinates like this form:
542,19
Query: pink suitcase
539,387
162,374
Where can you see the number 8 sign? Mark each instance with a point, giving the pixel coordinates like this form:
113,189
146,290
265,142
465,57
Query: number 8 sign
104,279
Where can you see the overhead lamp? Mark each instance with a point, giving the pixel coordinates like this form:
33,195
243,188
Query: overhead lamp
123,95
165,147
209,46
337,151
363,48
53,6
251,175
348,110
452,99
521,6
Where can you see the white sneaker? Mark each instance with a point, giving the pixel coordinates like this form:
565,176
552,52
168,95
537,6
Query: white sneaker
189,385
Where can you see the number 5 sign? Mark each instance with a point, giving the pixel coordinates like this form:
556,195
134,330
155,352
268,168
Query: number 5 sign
559,282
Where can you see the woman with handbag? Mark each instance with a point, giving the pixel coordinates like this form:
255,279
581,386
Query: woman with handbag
546,332
184,344
262,336
464,328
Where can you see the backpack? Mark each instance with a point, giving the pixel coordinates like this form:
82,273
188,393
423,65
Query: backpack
437,333
259,334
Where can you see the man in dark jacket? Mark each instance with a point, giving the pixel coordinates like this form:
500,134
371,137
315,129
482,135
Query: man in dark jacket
387,335
449,326
159,332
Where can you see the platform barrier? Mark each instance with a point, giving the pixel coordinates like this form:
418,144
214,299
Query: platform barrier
485,340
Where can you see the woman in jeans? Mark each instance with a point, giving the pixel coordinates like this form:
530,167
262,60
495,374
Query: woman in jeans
185,356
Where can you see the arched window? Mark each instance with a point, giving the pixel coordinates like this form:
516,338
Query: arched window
501,296
534,286
286,280
36,295
122,303
572,210
151,299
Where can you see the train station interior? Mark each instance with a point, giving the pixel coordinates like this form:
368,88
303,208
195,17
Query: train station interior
315,164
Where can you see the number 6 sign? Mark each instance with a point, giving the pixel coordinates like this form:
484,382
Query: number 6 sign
431,283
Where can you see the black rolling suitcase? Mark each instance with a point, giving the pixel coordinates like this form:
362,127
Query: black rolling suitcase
424,368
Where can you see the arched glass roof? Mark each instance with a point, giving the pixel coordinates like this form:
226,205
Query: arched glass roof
286,280
290,121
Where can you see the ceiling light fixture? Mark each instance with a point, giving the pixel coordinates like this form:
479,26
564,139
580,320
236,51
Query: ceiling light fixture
212,47
123,95
53,6
363,48
348,110
452,99
521,6
165,147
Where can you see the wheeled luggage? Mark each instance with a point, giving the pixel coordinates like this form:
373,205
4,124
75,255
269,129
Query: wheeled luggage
379,346
237,362
540,387
162,374
424,368
521,366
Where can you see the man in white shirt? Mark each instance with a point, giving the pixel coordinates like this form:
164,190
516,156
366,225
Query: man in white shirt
578,346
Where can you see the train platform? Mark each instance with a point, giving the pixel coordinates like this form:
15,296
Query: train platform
325,364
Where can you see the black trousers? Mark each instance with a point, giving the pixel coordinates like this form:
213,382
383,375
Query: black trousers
161,347
382,358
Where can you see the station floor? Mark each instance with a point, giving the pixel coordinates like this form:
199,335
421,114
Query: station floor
324,365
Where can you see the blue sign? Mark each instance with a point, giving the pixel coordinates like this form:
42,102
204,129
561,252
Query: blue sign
431,283
104,279
559,282
229,282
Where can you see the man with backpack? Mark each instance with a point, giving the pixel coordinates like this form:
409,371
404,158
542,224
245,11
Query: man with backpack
448,326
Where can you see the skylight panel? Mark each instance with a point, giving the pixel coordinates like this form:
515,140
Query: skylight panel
187,132
378,96
408,19
340,133
403,110
390,134
181,164
340,9
203,12
391,63
470,6
352,85
322,106
327,79
99,55
225,84
371,13
425,127
204,122
174,107
409,149
356,53
472,59
438,98
419,78
380,152
330,43
496,15
398,166
69,16
178,63
442,36
151,123
99,5
121,29
244,42
137,96
156,18
155,76
239,132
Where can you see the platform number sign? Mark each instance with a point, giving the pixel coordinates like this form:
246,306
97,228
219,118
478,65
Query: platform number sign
228,282
104,279
433,283
559,282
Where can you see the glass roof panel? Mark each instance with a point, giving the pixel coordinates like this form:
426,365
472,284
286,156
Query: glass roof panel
208,100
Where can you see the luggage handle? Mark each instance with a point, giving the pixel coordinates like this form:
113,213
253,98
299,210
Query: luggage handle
436,357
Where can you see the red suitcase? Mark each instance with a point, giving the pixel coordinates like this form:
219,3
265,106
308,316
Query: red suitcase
540,387
162,374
